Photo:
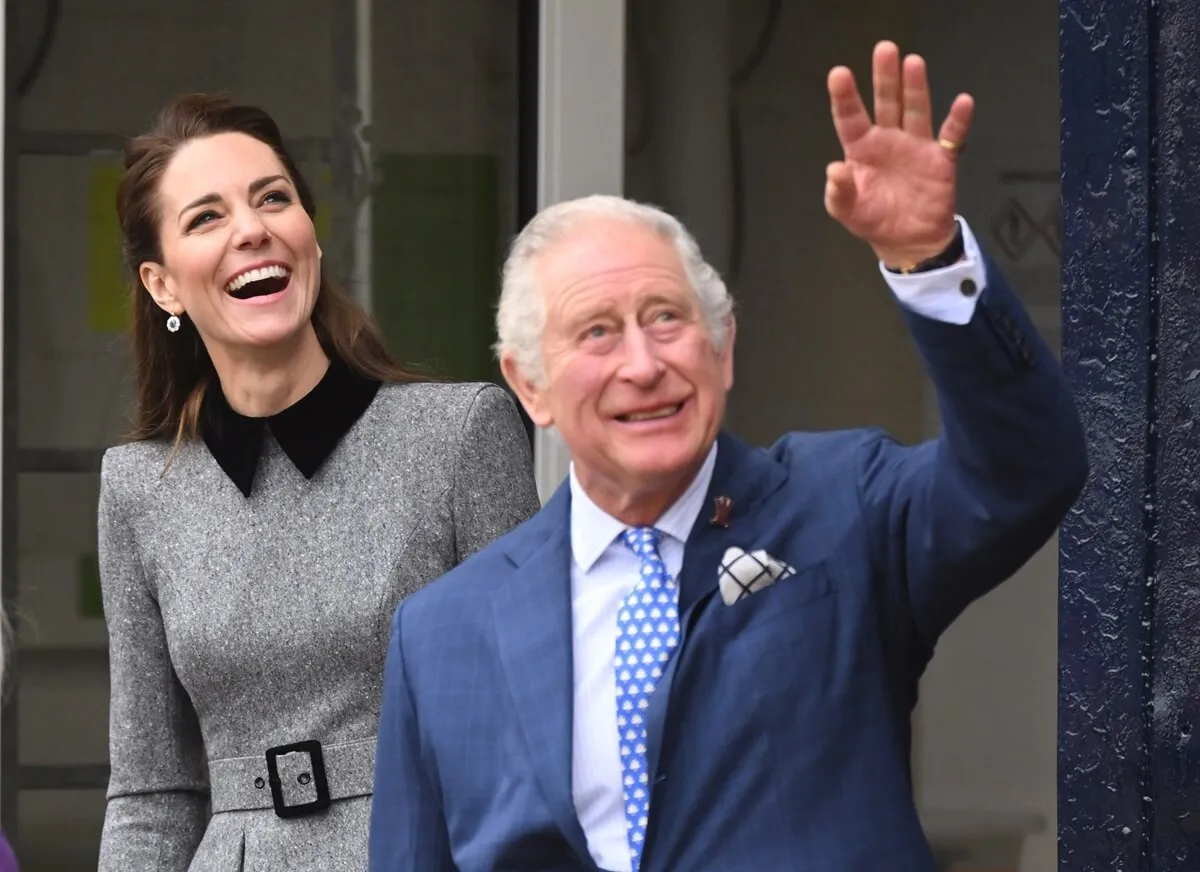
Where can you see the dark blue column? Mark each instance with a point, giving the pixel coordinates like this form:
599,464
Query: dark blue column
1129,642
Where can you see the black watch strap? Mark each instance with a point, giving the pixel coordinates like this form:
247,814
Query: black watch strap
949,256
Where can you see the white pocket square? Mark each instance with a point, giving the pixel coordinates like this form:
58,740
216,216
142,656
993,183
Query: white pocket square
745,572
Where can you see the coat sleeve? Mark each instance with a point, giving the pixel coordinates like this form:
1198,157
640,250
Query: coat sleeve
493,489
158,791
408,829
952,518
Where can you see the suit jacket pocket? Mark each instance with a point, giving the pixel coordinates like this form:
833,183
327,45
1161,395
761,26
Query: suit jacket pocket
789,645
756,620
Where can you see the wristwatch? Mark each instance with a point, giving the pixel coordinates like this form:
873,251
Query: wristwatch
949,256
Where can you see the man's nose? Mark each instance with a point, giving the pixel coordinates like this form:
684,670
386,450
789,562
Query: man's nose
641,364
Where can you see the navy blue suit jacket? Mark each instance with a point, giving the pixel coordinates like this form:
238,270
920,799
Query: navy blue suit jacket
779,737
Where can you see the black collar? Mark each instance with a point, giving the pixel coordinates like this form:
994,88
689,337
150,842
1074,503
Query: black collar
307,431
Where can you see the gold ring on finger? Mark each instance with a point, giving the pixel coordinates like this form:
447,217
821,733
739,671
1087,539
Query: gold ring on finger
951,145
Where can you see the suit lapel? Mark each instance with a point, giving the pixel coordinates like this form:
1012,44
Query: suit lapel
748,476
533,627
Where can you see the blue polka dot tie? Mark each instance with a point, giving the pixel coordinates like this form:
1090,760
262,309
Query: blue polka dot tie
647,632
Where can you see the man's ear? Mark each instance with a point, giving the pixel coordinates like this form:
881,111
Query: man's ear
532,397
154,279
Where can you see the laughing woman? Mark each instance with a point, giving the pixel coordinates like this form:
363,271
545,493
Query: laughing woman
286,486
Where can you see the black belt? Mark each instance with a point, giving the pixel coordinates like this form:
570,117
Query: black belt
295,780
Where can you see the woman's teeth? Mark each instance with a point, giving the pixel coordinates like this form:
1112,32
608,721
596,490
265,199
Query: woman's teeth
256,275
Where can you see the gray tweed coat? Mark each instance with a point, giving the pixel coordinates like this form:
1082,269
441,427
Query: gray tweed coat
240,624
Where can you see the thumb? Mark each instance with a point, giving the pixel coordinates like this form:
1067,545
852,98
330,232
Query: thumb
840,191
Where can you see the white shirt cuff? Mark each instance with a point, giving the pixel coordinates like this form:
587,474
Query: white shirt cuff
947,294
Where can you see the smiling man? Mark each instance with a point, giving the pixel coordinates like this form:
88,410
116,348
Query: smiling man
702,655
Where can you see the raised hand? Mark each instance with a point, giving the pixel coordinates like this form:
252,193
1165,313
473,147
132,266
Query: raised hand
895,187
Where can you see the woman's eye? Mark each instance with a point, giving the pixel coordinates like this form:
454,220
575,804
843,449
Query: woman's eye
202,218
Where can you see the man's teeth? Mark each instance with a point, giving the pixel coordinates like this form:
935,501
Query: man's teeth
664,412
256,275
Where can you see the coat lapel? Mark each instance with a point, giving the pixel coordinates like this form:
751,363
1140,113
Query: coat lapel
533,625
748,476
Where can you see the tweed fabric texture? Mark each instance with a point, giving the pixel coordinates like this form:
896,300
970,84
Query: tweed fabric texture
237,624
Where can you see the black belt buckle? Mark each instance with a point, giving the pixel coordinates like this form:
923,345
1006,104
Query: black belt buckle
313,748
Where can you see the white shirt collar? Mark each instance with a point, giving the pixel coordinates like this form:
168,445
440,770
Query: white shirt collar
593,529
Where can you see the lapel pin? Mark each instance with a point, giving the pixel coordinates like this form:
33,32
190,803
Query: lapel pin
722,509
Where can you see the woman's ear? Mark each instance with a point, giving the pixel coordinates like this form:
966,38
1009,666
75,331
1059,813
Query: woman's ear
158,284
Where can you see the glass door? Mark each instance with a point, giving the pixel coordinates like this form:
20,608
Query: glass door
408,119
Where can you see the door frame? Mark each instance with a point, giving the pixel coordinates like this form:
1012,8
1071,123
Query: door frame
581,137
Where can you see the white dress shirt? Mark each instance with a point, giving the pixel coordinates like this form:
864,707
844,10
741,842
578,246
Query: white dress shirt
603,570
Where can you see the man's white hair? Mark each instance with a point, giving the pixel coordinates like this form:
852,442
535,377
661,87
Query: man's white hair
521,315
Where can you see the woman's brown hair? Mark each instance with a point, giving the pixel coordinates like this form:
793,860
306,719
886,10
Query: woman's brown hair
173,370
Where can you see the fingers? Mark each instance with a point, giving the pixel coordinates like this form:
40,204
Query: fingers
902,100
840,191
918,115
850,119
957,125
885,73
